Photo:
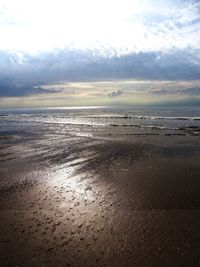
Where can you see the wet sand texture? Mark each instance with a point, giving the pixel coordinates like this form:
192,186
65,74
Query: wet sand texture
84,202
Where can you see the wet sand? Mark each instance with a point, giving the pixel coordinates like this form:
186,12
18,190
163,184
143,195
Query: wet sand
85,202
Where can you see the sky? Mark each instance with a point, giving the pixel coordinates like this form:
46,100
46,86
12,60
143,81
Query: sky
99,52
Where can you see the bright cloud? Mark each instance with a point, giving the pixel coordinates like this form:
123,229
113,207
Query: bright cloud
124,25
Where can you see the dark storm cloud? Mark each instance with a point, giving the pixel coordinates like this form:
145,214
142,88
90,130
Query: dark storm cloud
9,88
23,74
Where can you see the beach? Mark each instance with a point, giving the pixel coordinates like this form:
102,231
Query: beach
100,188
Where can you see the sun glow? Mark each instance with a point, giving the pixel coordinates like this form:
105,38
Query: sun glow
42,25
120,26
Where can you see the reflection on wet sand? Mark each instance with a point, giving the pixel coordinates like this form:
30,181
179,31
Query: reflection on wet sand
107,204
113,187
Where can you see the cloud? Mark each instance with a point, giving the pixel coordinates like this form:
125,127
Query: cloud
127,25
194,91
115,93
26,74
80,65
8,88
150,40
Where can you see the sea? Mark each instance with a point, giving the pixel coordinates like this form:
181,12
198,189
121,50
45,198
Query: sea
102,122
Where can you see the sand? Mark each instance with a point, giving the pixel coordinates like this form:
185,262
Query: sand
85,202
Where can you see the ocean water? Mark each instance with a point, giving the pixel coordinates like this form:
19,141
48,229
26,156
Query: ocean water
102,122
